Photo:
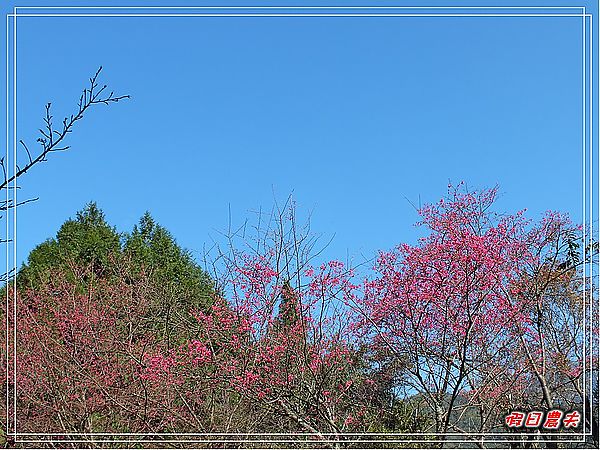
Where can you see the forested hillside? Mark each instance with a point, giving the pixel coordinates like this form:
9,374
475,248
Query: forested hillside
126,333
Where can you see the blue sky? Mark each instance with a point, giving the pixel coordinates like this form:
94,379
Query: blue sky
356,117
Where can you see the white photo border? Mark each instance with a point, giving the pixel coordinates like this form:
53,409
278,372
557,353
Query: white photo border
589,97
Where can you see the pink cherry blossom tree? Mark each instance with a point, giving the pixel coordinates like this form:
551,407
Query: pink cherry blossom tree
281,338
463,310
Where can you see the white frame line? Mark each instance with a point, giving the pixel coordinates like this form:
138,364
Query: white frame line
584,15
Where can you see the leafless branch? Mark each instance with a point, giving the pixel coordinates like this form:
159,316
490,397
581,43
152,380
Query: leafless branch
51,139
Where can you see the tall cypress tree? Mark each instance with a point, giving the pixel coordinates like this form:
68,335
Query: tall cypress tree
179,284
289,307
87,241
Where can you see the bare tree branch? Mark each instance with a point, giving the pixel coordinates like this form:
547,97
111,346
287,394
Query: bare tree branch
51,138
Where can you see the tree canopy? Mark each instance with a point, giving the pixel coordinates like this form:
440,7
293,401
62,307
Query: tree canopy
88,245
483,316
86,241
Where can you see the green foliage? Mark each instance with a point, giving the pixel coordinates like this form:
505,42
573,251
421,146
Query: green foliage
87,247
153,250
178,285
288,313
402,416
88,241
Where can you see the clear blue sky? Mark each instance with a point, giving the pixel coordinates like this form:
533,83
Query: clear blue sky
351,115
